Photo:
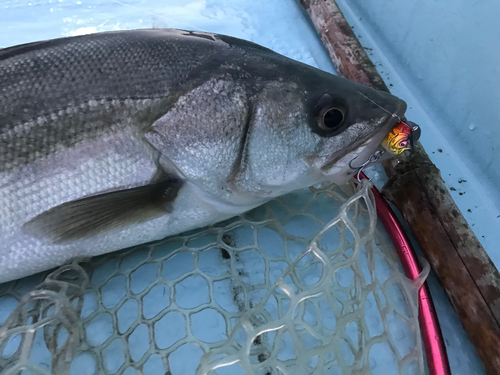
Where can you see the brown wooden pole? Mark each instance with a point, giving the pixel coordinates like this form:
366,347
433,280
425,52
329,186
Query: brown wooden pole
416,188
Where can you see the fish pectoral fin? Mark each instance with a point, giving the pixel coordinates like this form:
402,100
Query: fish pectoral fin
96,214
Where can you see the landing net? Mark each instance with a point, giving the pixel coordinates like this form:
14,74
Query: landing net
306,284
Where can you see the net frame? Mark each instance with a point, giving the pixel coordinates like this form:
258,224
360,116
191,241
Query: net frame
250,353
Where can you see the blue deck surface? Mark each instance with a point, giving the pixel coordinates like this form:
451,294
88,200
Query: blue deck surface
282,26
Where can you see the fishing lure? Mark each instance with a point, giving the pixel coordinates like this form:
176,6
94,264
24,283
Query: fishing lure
400,140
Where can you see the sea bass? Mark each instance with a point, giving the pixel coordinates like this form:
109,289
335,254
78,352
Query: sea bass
116,139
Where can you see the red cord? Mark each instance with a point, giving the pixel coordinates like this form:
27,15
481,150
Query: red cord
437,358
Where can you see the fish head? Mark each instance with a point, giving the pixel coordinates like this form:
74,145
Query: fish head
310,125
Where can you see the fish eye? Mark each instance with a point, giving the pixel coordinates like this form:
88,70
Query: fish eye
331,118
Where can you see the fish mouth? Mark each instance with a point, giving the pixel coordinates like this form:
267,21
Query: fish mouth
342,165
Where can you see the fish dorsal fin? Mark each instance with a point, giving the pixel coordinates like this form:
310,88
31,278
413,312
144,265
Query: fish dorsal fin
97,214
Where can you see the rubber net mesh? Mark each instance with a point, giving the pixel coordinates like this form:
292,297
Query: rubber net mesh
306,284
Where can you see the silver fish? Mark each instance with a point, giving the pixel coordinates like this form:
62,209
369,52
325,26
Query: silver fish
116,139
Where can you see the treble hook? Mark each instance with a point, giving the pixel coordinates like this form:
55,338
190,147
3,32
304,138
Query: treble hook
372,159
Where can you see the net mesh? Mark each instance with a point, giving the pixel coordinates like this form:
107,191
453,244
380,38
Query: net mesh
306,284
